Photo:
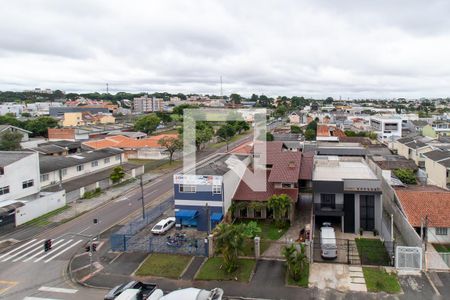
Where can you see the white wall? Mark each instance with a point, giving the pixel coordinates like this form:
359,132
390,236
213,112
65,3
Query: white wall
87,169
40,206
438,239
14,174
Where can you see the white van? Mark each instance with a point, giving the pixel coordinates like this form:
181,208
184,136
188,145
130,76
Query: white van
328,242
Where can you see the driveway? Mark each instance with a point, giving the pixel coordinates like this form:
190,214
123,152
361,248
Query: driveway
339,277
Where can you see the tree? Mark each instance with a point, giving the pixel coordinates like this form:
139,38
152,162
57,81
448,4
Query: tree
329,100
236,98
172,145
178,110
406,176
296,260
164,117
229,242
10,141
295,129
117,174
310,134
252,230
40,125
226,132
280,205
147,123
280,111
269,137
25,114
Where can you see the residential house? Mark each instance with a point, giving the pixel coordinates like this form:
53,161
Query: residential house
144,148
388,128
73,119
68,134
295,117
436,129
60,111
426,207
9,128
413,148
437,166
83,172
21,198
346,193
286,171
203,195
329,133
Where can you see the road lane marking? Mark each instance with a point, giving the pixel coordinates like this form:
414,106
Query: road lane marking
21,246
23,250
53,251
84,229
57,290
42,251
61,252
38,298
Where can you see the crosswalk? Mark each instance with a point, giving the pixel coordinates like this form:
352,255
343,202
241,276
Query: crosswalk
33,251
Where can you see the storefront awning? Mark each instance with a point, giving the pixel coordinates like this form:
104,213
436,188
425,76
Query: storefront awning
216,217
186,213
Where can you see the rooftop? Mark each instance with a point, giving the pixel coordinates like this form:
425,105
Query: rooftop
440,156
421,201
218,164
334,168
9,157
121,141
51,163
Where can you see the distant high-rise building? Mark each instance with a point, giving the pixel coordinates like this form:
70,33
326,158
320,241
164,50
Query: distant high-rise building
146,104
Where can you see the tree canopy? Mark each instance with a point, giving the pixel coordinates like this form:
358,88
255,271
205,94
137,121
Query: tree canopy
10,141
172,145
147,123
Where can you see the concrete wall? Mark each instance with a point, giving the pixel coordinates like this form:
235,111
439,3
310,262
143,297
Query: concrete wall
436,173
40,206
22,170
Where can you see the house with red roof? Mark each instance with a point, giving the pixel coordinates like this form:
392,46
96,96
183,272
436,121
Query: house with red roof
427,206
285,170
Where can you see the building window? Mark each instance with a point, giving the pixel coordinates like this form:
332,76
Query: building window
94,163
118,157
44,177
63,172
187,188
441,231
28,183
4,190
286,185
106,160
243,212
217,189
80,168
257,213
327,201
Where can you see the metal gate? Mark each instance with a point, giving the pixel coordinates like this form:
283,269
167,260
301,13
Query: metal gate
187,246
408,258
347,253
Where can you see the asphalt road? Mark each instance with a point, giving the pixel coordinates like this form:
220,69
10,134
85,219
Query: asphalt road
26,270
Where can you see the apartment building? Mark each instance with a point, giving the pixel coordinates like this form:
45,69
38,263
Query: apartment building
21,198
346,193
146,104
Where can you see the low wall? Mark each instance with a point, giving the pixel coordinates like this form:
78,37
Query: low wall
40,206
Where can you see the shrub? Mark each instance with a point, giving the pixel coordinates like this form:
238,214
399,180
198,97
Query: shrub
406,176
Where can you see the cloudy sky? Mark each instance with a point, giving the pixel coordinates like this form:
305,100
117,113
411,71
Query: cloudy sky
356,49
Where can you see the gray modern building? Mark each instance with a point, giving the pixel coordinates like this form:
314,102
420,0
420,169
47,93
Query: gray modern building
346,193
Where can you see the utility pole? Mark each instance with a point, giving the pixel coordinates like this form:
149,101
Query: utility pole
107,88
208,219
221,90
142,198
425,232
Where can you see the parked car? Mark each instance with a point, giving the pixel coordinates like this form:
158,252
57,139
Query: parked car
190,294
144,290
163,226
328,241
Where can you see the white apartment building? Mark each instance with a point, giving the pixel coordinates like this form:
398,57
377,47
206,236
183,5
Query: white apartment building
146,104
21,199
388,128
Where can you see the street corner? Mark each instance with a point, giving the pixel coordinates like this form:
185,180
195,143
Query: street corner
417,286
5,285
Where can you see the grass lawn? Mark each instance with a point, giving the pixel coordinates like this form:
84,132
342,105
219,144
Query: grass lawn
43,220
268,229
249,247
372,252
442,247
378,280
304,278
156,165
212,269
163,265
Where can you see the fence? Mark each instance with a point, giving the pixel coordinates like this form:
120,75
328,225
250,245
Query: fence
171,245
445,257
125,239
408,258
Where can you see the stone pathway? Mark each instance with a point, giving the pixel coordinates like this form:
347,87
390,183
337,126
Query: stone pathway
193,267
340,277
357,281
80,206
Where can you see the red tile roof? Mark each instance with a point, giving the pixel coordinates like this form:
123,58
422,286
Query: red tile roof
120,141
245,193
246,148
285,166
306,166
324,130
418,202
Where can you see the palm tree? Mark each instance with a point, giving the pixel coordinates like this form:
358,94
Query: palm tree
296,260
229,242
280,205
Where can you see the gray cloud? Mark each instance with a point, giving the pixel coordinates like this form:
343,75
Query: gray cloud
312,48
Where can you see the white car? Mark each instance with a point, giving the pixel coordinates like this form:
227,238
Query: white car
163,226
188,294
328,241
